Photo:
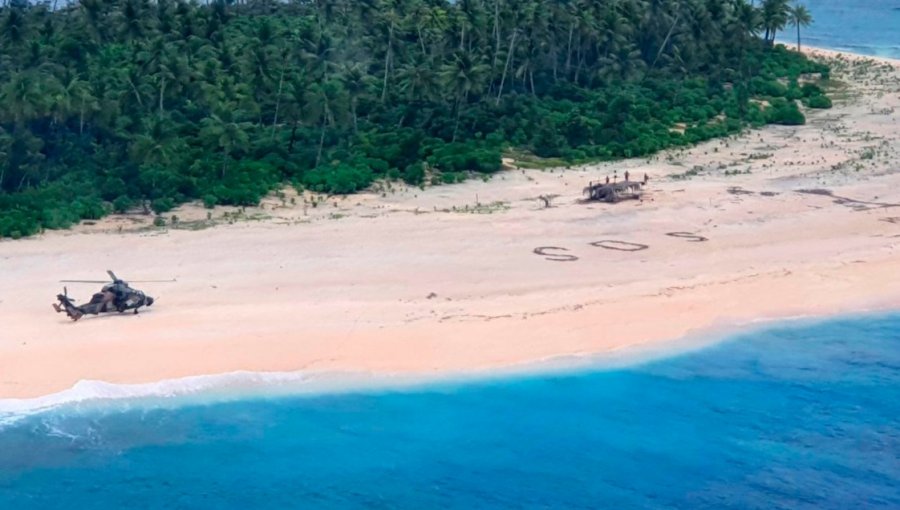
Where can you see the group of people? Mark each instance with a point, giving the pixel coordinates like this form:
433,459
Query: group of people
627,175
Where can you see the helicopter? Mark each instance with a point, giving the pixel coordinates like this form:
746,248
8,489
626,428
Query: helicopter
115,296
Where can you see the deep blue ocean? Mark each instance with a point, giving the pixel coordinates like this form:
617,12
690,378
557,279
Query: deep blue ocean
803,416
870,27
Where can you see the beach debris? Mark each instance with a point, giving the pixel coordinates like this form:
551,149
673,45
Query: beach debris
737,190
431,296
816,191
546,199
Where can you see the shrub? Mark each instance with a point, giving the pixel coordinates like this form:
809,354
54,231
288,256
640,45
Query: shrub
811,89
771,88
122,203
162,205
90,208
339,179
414,173
822,102
453,177
785,113
794,93
473,156
547,143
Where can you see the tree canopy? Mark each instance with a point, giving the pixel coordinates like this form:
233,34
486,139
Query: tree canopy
105,104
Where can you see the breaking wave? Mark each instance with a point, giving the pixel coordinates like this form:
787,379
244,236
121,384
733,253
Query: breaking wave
88,394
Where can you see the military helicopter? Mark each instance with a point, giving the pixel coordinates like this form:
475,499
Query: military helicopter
115,296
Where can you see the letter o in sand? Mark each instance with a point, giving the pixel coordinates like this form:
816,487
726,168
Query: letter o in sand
556,257
619,245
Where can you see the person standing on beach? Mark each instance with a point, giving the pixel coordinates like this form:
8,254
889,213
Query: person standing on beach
120,291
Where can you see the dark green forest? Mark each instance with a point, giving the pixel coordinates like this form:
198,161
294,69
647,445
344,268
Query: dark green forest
109,105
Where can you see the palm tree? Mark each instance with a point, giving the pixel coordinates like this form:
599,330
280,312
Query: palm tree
774,18
355,82
22,98
418,81
225,133
509,55
158,145
133,20
296,106
799,15
389,25
6,142
461,76
14,27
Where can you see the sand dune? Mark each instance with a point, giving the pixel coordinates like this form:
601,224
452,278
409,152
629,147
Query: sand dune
779,222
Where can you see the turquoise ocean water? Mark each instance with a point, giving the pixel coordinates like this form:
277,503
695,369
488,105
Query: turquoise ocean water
870,27
795,417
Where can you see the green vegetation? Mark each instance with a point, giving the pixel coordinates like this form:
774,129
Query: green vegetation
106,105
818,101
799,16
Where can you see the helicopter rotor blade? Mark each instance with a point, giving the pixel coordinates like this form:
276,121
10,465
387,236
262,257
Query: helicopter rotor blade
173,280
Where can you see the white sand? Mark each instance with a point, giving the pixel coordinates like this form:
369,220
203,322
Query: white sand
347,286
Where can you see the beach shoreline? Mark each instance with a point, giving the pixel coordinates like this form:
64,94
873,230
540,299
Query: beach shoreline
829,53
208,389
479,276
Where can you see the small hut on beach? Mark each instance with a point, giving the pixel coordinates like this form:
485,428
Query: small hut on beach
615,191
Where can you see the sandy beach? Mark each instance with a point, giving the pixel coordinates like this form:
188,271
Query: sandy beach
778,222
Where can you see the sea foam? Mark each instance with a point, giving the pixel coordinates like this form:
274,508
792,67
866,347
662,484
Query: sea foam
217,387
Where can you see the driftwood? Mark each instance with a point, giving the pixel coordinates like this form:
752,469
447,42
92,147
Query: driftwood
547,199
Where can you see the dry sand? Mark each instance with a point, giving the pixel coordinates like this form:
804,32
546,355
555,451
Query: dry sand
446,279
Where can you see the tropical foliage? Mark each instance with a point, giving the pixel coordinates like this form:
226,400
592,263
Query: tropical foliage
107,105
799,16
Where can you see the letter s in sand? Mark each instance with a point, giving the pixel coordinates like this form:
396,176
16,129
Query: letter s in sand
690,236
556,257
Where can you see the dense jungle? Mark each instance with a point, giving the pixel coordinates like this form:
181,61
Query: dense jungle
121,105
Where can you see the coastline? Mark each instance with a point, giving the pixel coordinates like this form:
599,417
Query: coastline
823,52
425,283
90,395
